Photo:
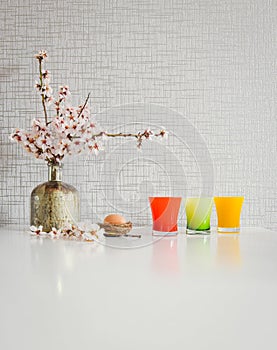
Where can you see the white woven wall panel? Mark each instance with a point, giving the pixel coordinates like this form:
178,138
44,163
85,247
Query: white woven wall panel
204,69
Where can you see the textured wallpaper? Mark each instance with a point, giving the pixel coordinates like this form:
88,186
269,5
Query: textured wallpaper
203,69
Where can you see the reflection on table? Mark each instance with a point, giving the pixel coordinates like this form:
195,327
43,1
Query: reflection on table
198,251
165,255
228,250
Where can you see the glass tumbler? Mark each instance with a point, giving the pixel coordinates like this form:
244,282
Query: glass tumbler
165,215
198,211
228,211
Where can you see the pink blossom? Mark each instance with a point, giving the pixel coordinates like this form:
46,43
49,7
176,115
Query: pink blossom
46,74
37,231
148,134
70,130
55,233
41,55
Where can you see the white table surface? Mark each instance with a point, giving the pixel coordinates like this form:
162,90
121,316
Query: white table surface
204,292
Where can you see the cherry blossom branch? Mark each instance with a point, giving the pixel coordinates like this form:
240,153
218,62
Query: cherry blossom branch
79,231
42,94
138,135
71,130
83,107
147,134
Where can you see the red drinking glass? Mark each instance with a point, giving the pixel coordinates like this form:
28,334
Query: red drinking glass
165,215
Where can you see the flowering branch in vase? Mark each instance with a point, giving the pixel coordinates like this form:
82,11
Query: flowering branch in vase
71,130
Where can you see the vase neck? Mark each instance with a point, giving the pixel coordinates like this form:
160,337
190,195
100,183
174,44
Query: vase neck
54,172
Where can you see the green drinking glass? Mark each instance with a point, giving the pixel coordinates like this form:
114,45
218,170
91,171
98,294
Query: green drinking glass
198,211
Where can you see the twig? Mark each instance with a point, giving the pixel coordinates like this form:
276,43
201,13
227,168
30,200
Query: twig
120,134
42,95
86,101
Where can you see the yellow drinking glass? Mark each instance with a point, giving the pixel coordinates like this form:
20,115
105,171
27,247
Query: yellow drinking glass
228,213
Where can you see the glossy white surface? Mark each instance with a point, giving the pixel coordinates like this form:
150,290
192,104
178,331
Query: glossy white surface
206,292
